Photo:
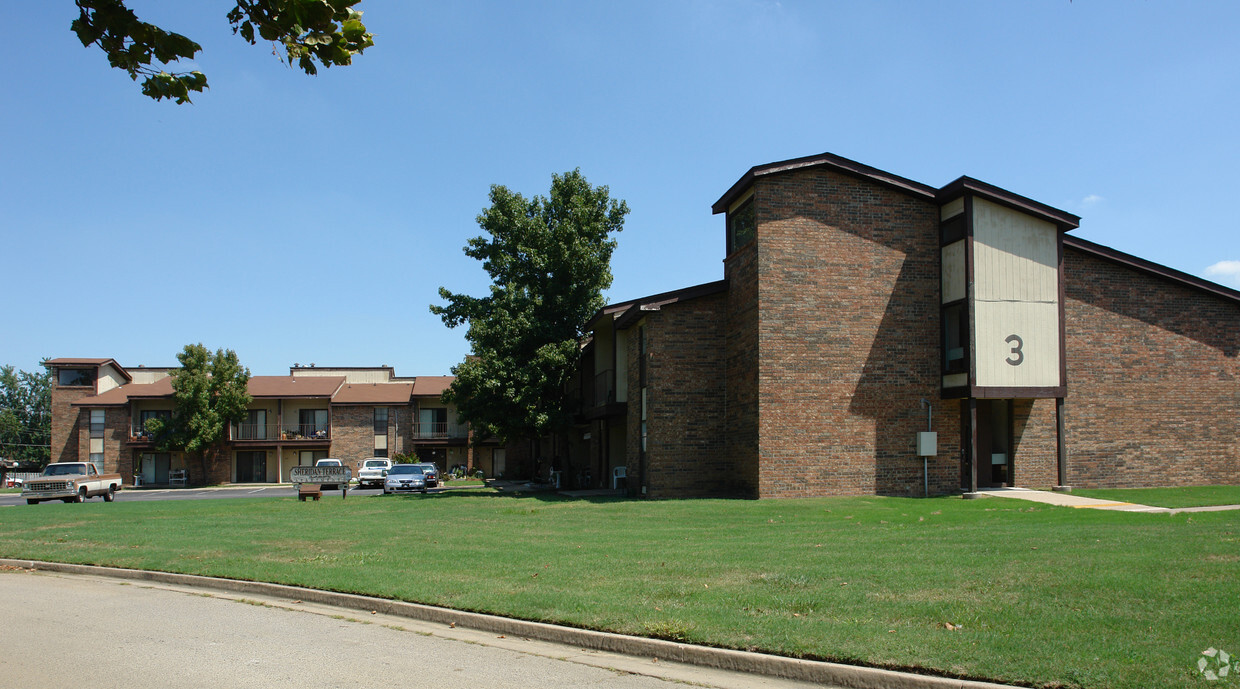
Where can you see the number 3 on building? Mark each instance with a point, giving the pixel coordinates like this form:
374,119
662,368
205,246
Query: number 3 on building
1016,343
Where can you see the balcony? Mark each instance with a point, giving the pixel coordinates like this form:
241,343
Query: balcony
439,431
139,435
270,432
306,431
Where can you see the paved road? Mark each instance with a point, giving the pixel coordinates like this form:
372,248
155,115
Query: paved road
99,632
286,490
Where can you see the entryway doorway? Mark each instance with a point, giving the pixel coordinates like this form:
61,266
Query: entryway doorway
994,444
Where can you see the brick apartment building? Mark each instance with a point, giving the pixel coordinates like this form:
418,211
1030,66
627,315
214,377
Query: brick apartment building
859,308
100,408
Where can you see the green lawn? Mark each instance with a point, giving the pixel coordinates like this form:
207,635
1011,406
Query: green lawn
1195,496
1036,594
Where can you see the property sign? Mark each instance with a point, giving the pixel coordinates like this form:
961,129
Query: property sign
328,475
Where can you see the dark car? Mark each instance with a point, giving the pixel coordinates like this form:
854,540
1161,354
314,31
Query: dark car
404,477
431,472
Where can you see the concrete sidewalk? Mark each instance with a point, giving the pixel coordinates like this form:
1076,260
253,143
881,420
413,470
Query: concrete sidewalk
1070,500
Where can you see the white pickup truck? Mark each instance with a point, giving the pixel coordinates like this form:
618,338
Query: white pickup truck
71,482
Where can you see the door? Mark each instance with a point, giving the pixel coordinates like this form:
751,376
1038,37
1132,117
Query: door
994,444
497,461
163,464
251,467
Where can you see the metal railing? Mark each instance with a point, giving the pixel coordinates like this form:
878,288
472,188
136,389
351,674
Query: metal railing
306,431
432,430
255,431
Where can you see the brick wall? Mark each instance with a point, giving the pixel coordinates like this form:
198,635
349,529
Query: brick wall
685,401
353,433
848,313
1153,379
741,369
65,422
1035,462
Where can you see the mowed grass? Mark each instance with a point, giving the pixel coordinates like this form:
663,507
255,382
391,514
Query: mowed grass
1194,496
1035,594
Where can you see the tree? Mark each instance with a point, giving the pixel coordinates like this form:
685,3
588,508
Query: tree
25,415
549,260
209,393
329,32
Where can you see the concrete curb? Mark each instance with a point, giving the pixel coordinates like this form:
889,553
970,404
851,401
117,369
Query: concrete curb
830,674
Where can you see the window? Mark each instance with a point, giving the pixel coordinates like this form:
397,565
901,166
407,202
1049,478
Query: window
255,425
96,423
955,339
74,377
741,226
96,458
433,422
313,422
381,420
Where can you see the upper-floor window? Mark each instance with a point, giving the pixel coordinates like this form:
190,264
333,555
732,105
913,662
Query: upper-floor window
381,420
741,226
74,377
96,423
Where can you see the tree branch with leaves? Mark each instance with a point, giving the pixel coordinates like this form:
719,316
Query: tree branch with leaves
326,32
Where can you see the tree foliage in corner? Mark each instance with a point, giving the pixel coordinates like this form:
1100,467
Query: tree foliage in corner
209,392
328,32
549,260
25,415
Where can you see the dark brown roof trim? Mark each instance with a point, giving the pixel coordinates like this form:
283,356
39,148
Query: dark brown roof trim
832,161
635,311
1106,253
662,298
71,362
1062,219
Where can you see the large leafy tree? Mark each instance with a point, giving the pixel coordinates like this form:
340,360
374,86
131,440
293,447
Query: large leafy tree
25,415
326,32
209,392
549,259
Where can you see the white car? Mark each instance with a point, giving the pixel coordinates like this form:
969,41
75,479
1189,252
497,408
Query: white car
373,471
329,462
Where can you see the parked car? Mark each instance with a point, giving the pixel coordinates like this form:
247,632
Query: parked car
329,463
404,477
373,471
431,471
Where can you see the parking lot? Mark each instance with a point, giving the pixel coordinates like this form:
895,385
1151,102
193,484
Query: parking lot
213,493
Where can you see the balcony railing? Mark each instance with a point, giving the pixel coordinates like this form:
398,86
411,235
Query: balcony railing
430,431
139,434
306,431
271,431
255,431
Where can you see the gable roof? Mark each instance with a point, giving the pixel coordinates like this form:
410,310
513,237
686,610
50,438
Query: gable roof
1062,219
75,361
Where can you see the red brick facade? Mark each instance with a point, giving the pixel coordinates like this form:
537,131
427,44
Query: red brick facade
806,374
1153,379
848,293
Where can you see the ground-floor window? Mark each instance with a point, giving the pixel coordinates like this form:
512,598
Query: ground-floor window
307,458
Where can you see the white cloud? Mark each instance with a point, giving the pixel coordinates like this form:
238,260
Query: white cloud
1091,200
1227,271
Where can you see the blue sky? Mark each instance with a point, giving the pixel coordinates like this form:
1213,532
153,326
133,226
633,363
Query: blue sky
312,219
